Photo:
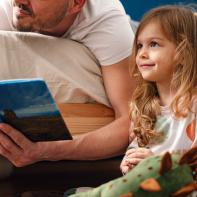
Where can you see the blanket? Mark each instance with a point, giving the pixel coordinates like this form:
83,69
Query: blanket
70,70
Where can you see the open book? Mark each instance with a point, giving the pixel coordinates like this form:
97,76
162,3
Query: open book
27,105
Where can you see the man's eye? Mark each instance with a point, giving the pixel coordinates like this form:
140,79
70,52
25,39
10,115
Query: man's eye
153,44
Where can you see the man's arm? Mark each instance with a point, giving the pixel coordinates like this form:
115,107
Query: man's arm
105,142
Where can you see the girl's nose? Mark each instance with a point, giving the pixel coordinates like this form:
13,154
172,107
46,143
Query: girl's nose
143,53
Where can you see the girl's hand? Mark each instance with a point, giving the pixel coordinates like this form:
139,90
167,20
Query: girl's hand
133,157
124,166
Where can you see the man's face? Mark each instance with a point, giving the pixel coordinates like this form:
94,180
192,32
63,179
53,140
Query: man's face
38,15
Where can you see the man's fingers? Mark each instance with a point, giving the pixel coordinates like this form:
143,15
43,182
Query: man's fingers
11,156
8,144
16,147
15,135
4,152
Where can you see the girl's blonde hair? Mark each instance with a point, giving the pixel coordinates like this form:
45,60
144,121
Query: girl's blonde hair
179,24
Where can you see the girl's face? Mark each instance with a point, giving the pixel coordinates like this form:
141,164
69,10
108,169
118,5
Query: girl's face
155,54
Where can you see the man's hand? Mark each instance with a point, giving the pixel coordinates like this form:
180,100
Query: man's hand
16,147
133,157
108,141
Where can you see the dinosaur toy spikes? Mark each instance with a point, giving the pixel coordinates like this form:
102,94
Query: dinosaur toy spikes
166,163
127,195
185,190
190,157
150,185
155,176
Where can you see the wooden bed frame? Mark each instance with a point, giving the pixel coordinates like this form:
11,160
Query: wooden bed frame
61,175
83,118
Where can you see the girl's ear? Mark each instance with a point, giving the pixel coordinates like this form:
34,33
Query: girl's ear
76,6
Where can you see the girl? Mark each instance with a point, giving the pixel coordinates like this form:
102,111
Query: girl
164,107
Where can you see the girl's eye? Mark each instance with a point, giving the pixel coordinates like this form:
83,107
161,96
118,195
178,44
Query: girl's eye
139,46
153,44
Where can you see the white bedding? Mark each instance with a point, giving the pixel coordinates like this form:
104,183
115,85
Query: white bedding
70,70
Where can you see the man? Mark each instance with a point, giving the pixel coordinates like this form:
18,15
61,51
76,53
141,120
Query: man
103,27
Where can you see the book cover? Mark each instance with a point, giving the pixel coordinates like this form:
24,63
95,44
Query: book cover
27,105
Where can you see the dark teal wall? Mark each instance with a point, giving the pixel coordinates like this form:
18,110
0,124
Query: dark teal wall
136,8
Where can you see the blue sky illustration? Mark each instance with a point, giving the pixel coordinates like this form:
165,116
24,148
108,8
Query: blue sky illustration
27,98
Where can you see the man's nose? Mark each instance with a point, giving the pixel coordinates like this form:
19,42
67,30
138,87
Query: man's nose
25,2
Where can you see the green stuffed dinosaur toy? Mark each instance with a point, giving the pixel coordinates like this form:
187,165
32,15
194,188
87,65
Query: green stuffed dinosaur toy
156,176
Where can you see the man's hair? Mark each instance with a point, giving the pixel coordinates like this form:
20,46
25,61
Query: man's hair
179,24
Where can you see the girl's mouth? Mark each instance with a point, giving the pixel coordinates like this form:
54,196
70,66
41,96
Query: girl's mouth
147,65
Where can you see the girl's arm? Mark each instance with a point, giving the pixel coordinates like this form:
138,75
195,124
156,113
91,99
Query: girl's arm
134,153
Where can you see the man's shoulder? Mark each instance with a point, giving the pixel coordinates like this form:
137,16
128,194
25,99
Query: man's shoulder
96,8
95,26
97,15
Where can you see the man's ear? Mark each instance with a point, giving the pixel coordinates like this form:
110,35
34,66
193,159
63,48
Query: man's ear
76,7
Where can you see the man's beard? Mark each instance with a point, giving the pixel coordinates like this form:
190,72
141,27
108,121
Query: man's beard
36,25
24,27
